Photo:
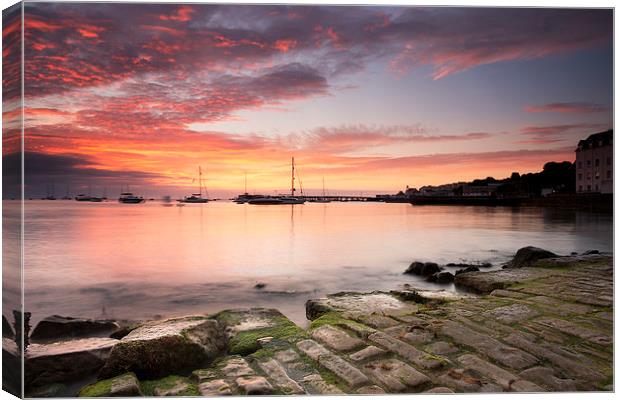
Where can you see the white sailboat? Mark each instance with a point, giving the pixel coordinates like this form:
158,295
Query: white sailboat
276,200
196,197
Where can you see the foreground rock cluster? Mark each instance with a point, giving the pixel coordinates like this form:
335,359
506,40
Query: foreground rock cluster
546,326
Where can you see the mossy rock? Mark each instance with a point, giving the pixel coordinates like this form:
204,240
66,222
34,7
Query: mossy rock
246,327
161,348
172,385
125,385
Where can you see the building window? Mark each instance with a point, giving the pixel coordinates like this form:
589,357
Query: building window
589,188
608,174
579,176
588,162
608,160
579,165
597,175
596,162
580,188
596,188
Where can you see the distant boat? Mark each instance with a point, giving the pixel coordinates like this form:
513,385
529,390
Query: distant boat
51,195
66,196
82,197
130,198
275,200
196,197
322,199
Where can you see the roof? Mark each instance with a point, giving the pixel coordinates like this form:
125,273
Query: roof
595,140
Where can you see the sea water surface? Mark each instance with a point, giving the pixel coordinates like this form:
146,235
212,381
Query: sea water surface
148,261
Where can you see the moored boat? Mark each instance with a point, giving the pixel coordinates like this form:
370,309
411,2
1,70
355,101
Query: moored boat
130,198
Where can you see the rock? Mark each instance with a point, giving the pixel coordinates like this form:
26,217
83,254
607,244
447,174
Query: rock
203,375
217,387
505,379
370,389
161,348
278,375
260,285
124,330
424,269
590,252
336,338
440,389
172,385
319,386
414,268
468,269
511,314
65,361
235,366
547,377
406,351
57,327
345,371
395,375
443,277
125,385
247,330
527,256
353,305
465,265
254,385
367,353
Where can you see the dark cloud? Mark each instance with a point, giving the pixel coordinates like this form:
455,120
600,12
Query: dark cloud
43,169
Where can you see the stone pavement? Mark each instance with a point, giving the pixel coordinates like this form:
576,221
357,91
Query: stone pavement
548,330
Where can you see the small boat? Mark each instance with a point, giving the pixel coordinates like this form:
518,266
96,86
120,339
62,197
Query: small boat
275,200
130,198
82,197
322,199
196,197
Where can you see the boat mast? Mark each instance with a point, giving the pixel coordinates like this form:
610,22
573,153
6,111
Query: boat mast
199,181
245,182
323,186
292,176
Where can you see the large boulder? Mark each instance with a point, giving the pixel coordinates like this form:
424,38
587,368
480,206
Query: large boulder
444,277
424,269
65,361
527,256
468,269
161,348
57,327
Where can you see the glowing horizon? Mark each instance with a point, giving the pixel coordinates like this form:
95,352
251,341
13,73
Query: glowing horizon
371,99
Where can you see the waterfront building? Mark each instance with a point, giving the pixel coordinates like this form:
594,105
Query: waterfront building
594,163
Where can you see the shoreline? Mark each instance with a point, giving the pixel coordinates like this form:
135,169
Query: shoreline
377,342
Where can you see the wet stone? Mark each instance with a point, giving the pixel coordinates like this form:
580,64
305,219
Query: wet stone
547,377
201,375
254,385
440,389
336,338
179,388
377,321
345,371
287,356
576,330
466,381
367,353
371,389
406,351
236,367
512,313
356,304
395,375
319,386
278,375
441,348
507,355
505,379
217,387
124,386
312,349
508,293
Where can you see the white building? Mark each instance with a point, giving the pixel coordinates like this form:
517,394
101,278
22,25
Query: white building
594,163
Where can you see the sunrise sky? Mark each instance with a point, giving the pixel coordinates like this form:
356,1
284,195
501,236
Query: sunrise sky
370,98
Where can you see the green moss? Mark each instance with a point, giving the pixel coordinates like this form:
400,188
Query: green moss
246,343
148,387
97,389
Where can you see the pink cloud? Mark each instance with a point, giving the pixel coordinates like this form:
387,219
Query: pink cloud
572,108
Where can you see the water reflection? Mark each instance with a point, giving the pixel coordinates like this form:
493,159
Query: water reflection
137,261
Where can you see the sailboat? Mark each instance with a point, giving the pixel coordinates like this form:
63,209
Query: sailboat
196,197
292,199
67,197
129,198
323,199
51,195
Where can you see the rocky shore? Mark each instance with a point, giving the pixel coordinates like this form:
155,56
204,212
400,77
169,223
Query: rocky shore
539,324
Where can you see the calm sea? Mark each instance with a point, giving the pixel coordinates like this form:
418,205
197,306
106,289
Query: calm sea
149,261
